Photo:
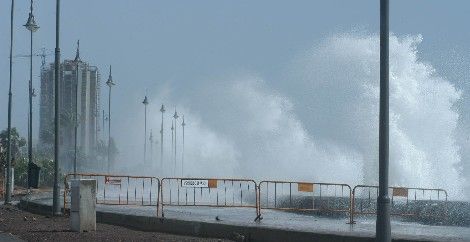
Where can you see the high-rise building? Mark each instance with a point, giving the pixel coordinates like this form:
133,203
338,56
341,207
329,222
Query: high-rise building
79,98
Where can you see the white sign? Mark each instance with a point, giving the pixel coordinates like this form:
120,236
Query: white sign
195,183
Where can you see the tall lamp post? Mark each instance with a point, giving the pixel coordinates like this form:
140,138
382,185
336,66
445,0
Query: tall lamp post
9,175
77,60
32,27
151,148
145,102
175,116
55,194
162,110
173,143
182,155
104,126
383,231
110,84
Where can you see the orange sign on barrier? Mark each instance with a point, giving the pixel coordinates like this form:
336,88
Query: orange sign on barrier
305,187
212,183
400,192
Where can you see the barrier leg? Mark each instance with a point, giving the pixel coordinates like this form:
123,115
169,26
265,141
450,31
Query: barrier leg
351,208
258,204
159,202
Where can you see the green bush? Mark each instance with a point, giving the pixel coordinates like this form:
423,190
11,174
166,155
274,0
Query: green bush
46,174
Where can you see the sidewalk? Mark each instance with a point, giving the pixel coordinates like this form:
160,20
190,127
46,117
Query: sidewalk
31,227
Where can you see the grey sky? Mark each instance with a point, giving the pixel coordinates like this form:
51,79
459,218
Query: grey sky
185,42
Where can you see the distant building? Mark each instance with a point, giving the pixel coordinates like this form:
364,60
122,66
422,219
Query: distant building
87,83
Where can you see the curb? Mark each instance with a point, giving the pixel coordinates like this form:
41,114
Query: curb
205,229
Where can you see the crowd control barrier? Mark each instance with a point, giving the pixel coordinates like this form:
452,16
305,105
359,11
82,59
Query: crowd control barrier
305,196
120,189
404,201
209,192
323,198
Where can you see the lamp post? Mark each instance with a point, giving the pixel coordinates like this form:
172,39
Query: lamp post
162,110
110,84
151,148
172,143
9,175
104,126
182,155
383,231
145,102
175,116
32,27
77,60
56,190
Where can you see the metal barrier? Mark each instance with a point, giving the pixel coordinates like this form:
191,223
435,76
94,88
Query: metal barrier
305,196
274,195
209,192
405,201
120,189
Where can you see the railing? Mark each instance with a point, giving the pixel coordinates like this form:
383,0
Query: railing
120,189
209,192
305,196
405,201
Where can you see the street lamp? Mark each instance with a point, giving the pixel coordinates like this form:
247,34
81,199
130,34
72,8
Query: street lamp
9,175
383,231
162,110
110,84
104,126
32,27
145,102
175,116
182,156
151,148
77,60
173,143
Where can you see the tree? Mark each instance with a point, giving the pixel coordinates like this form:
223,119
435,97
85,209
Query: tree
17,143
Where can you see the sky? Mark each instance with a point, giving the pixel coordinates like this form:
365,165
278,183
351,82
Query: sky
177,46
150,42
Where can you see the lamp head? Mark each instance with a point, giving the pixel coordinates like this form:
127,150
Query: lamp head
146,101
110,82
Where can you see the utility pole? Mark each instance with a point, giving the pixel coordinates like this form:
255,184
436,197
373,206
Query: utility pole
56,190
383,230
9,175
162,110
